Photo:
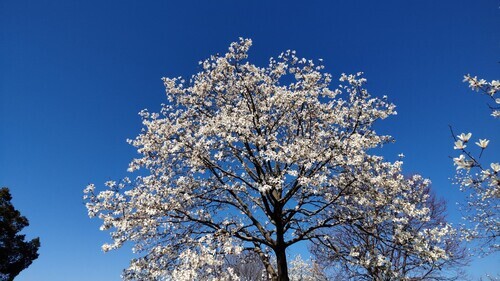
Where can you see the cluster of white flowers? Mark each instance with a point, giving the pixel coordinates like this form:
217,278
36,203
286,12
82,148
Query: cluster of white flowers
206,262
488,88
405,237
480,181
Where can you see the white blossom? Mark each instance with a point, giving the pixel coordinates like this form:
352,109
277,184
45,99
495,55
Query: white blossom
495,167
459,145
464,137
462,163
483,143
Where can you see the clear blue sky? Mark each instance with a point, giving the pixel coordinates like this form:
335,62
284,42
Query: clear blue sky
74,75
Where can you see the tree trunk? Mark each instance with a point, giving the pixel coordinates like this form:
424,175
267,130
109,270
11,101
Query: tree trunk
280,251
281,264
280,247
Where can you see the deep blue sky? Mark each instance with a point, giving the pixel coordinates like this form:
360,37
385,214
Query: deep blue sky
74,75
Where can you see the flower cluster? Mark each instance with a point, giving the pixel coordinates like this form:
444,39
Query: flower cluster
407,238
488,88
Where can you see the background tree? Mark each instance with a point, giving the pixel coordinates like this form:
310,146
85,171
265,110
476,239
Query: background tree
16,254
247,158
248,266
396,247
479,180
301,270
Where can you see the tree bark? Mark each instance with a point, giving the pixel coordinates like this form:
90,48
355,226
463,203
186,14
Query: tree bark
280,249
281,264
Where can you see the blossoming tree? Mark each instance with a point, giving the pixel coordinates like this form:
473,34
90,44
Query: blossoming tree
246,158
480,181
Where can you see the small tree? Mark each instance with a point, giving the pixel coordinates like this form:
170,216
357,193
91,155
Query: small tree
15,253
479,180
246,158
248,266
404,246
301,270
